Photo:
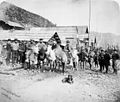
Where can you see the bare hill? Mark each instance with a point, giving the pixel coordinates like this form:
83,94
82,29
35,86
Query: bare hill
10,12
103,39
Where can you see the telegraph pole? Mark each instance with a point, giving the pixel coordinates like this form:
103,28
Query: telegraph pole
89,23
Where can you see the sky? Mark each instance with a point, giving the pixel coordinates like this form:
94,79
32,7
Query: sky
105,14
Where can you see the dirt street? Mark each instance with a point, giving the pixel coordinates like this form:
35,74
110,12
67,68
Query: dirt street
34,86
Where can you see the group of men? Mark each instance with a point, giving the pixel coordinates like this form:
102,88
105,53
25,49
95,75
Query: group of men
103,59
16,50
16,53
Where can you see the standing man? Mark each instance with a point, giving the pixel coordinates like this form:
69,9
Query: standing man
9,51
101,60
106,60
68,49
82,57
96,59
90,59
115,57
15,47
22,50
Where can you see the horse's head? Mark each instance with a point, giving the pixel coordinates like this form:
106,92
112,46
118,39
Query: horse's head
54,46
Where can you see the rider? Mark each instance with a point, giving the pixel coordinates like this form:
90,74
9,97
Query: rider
41,45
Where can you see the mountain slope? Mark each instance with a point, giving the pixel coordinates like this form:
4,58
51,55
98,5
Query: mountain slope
10,12
105,39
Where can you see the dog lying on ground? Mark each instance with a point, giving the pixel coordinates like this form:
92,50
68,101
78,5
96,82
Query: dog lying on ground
68,79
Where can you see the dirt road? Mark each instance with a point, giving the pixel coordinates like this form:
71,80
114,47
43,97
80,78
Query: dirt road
88,86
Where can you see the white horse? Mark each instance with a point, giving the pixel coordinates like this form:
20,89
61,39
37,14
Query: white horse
60,55
51,58
75,59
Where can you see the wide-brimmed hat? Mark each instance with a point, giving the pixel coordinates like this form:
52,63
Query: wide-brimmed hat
40,39
9,39
114,50
15,39
67,41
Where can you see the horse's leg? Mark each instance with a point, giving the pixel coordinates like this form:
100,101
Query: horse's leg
74,65
63,67
54,65
83,64
38,63
90,65
42,63
50,66
29,67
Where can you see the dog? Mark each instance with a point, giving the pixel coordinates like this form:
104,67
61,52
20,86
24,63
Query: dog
68,79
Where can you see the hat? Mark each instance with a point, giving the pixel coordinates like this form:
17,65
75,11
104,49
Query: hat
115,50
40,39
15,39
9,39
67,41
106,51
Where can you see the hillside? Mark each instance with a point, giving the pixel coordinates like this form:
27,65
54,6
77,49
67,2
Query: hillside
103,39
10,12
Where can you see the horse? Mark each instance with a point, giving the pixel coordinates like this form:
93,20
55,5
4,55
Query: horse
51,58
41,55
75,59
60,55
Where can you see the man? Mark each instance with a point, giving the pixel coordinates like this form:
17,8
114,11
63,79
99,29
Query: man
90,59
106,60
15,47
96,59
41,45
101,60
68,49
22,50
9,51
115,57
82,57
